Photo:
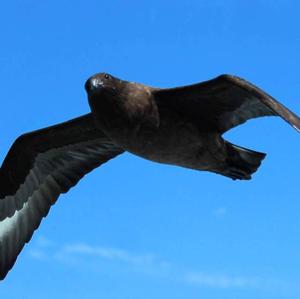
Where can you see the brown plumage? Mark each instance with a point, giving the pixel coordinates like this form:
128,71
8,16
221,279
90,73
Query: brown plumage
180,126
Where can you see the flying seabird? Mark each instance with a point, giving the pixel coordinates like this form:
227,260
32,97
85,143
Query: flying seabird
180,126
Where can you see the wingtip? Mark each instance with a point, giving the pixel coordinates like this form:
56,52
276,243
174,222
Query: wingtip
2,276
296,128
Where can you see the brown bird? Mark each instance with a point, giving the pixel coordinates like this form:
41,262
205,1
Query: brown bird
181,126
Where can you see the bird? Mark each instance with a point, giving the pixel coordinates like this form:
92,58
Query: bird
180,126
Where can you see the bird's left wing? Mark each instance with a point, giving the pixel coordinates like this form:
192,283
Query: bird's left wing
37,169
222,103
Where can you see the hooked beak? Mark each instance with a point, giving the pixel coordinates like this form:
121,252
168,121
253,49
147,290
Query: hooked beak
93,84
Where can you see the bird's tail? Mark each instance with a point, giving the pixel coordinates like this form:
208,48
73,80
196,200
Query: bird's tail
241,162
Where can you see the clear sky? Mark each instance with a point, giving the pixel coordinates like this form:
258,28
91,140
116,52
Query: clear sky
136,229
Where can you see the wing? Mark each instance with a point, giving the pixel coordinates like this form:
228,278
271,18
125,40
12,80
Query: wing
37,169
222,103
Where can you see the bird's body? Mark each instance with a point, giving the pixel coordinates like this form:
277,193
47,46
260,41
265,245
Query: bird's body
181,126
174,141
139,124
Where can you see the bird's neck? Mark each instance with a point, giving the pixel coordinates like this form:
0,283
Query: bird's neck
130,110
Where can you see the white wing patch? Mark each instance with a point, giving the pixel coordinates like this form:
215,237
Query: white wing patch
54,172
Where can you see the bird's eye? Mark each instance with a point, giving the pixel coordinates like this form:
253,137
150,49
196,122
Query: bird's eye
107,77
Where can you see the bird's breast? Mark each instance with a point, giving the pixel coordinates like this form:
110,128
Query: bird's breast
175,142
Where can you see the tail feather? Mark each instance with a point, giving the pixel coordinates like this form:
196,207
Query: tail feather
241,162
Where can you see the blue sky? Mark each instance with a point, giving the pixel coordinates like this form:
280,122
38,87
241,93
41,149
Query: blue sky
134,228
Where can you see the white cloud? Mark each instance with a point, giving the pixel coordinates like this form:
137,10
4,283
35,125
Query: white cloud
39,249
81,254
108,253
221,281
37,254
43,242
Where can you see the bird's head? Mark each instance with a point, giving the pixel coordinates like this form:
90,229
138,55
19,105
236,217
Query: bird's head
117,103
104,93
107,99
101,83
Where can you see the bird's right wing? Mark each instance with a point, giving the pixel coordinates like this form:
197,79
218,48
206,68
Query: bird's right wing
37,169
222,103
